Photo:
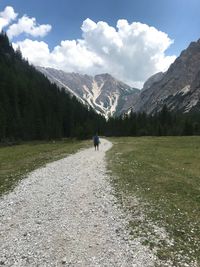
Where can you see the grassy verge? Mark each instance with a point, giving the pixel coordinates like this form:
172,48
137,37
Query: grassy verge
165,174
17,161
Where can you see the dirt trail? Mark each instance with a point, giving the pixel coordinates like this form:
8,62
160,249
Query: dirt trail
66,215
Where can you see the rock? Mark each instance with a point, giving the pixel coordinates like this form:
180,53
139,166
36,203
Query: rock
64,261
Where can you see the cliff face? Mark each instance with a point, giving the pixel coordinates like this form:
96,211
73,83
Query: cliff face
178,88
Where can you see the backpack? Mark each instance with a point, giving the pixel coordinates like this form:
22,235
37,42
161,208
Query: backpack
96,139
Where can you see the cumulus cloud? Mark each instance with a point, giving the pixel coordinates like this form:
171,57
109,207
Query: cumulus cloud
35,51
7,16
70,56
29,26
130,52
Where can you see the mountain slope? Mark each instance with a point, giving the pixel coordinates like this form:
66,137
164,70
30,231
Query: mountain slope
33,108
102,92
178,88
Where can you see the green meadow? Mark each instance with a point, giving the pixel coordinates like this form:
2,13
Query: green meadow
163,173
16,161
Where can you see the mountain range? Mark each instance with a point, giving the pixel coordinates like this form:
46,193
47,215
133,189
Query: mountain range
104,93
178,88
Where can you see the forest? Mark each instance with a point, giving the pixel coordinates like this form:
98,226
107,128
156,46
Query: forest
163,123
32,108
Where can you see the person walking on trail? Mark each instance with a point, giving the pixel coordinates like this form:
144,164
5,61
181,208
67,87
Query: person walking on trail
96,142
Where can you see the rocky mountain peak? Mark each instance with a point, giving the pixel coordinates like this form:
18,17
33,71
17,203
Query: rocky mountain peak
176,86
102,92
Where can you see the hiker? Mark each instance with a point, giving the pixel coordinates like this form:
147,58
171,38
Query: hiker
96,142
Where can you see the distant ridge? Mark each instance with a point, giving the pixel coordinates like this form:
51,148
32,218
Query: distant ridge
104,93
178,88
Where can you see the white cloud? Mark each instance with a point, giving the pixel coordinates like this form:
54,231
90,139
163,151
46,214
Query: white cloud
29,26
69,56
130,52
35,51
7,16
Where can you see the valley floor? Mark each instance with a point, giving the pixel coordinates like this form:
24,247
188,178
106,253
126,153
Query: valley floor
65,214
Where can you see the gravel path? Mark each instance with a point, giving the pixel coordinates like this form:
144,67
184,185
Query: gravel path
66,215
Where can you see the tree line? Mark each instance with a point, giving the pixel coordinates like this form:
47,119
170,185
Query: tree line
162,123
32,108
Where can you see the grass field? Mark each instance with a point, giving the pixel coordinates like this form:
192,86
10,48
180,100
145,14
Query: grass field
164,174
16,161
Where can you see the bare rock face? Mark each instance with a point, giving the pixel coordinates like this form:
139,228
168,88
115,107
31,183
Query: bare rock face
102,92
153,79
178,88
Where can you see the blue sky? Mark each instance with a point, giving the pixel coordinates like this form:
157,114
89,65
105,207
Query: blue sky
179,19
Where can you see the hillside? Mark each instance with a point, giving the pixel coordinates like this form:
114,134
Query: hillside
178,88
33,108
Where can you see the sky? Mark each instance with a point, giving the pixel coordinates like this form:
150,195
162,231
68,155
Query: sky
130,39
